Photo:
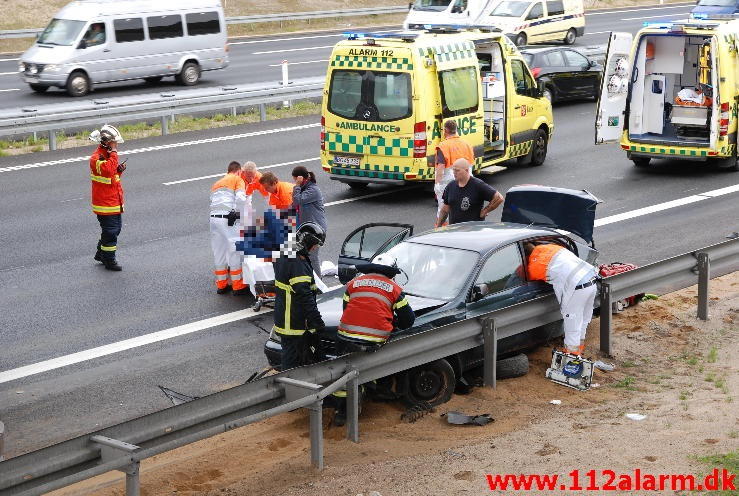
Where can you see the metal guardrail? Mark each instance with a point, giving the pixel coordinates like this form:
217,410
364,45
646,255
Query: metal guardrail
163,105
123,446
258,18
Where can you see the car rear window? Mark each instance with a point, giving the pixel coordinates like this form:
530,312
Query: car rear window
203,23
131,29
372,96
166,26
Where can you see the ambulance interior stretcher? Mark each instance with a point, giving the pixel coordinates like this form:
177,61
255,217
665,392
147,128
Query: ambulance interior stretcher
490,59
666,65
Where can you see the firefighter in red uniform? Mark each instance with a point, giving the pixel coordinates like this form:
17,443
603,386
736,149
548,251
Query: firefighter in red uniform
374,306
107,193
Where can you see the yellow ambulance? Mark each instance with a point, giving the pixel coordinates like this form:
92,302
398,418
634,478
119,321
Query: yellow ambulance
671,92
387,96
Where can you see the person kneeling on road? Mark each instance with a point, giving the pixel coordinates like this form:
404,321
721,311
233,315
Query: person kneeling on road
297,319
573,280
374,306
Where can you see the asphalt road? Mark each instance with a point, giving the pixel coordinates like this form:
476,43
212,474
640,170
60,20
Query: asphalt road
56,301
258,59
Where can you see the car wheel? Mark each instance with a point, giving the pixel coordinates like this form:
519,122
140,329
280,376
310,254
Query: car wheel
521,39
358,185
189,75
153,79
432,383
547,93
539,153
78,84
641,162
38,88
570,37
515,366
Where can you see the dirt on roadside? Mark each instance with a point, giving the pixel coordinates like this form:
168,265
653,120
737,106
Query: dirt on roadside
682,373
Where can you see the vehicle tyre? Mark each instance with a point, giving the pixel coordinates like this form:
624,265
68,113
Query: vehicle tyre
78,84
547,93
38,88
521,39
153,79
728,164
432,383
641,162
189,75
358,185
539,152
515,366
570,37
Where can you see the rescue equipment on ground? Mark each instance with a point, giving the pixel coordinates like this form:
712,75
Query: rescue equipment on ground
606,270
458,418
570,370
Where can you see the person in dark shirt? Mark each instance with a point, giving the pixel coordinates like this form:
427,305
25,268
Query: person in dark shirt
465,196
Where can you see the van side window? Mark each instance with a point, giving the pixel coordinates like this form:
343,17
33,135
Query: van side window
166,26
95,34
555,7
459,93
521,78
203,23
126,30
536,11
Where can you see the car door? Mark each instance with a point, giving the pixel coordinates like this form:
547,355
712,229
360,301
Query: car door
555,69
522,104
534,19
614,87
584,80
94,51
367,241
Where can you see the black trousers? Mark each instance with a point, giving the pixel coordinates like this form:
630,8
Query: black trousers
296,350
110,227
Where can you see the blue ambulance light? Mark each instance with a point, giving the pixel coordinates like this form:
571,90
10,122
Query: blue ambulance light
354,36
699,15
657,24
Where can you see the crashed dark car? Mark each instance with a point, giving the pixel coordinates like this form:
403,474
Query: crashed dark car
462,271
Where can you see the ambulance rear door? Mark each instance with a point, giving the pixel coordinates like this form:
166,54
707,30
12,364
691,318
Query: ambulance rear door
614,88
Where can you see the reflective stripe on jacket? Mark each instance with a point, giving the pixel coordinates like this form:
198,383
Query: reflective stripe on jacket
453,148
228,193
296,310
106,190
370,304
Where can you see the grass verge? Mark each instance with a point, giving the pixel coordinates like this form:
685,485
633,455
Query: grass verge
728,461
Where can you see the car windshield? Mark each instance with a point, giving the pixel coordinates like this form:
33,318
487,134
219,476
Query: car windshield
510,9
61,32
431,5
433,271
717,3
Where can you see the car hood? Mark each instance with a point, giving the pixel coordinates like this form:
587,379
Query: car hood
331,308
47,54
558,208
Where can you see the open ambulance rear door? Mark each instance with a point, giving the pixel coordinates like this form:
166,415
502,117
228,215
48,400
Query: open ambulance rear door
614,88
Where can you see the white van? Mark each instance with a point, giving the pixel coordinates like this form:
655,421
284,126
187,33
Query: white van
99,41
445,12
535,21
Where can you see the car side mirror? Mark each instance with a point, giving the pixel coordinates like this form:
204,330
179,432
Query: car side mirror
82,44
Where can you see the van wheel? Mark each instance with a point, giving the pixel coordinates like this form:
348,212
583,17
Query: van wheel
153,79
570,37
728,164
38,88
539,152
78,84
641,162
190,74
521,39
432,383
357,185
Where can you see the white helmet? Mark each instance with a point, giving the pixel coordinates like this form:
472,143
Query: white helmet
385,259
109,133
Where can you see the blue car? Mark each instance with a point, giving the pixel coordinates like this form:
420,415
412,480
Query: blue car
462,271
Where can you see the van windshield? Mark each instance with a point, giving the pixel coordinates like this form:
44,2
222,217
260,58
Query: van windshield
61,32
431,5
510,9
717,3
371,96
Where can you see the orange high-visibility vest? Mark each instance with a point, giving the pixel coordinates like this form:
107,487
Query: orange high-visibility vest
371,300
454,148
107,191
539,261
283,197
255,185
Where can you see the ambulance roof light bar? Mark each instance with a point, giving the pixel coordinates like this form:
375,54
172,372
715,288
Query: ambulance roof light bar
679,26
371,36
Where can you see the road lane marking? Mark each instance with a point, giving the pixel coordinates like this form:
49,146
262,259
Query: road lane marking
597,32
162,147
654,17
260,168
681,6
11,89
371,195
299,63
8,73
8,60
285,50
335,35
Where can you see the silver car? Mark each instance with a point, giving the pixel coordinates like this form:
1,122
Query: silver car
91,42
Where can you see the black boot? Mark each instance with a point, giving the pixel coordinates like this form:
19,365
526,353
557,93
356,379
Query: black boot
112,265
98,256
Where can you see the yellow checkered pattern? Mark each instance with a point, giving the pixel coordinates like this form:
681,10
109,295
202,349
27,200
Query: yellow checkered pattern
521,149
367,62
724,151
349,143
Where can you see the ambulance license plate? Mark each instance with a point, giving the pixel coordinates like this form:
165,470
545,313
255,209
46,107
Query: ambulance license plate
346,161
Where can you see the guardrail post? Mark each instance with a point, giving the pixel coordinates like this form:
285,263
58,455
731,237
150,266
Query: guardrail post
316,434
233,111
133,483
165,125
52,140
704,277
2,441
490,352
285,82
113,449
262,112
605,318
352,410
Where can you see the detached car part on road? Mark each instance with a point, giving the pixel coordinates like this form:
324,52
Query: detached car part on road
462,271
